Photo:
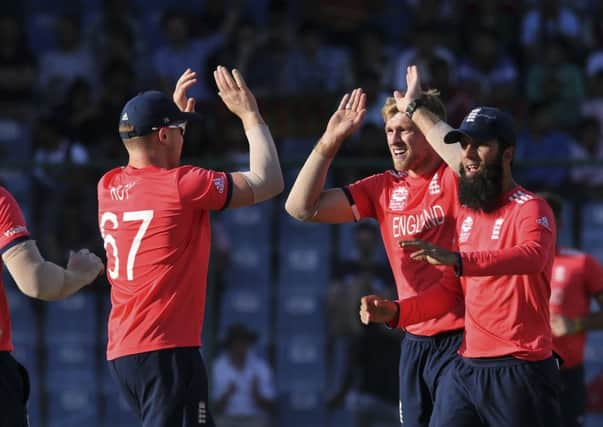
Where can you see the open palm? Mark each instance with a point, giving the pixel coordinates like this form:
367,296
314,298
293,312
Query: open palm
348,117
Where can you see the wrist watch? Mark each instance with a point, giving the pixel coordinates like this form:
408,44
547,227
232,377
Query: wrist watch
412,106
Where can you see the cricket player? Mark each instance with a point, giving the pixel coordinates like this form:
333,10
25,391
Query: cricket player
418,198
577,279
506,375
154,219
36,278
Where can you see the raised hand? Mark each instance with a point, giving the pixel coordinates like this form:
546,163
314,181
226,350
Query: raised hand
430,253
413,88
186,80
234,92
85,264
373,308
344,121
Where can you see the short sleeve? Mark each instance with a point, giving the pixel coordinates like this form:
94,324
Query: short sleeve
12,224
363,195
594,275
204,189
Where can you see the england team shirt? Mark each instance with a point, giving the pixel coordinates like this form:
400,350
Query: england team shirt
156,229
408,207
577,278
507,258
12,231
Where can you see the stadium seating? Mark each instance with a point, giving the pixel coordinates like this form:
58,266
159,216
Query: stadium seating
249,306
300,308
301,406
73,319
300,357
72,403
40,28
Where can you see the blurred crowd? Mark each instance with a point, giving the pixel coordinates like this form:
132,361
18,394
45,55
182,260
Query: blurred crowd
68,66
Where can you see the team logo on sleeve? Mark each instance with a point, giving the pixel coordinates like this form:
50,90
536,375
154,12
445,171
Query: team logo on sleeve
544,222
496,228
219,184
466,227
398,199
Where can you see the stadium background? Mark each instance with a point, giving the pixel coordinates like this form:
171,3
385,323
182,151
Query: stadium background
67,67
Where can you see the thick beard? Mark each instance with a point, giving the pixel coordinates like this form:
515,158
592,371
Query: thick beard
483,190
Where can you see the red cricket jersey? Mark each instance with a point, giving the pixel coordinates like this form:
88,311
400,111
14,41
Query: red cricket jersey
155,224
577,277
12,230
414,207
507,258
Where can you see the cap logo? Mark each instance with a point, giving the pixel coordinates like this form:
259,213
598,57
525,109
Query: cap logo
473,114
125,116
166,120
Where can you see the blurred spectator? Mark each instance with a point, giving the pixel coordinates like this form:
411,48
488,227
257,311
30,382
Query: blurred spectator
114,34
502,16
17,66
425,49
458,99
588,147
183,51
69,61
558,82
548,19
371,81
244,392
118,85
369,384
542,142
79,113
372,54
593,104
487,71
313,67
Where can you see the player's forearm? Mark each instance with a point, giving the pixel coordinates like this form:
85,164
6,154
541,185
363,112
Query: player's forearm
434,130
41,279
304,197
430,304
265,177
527,258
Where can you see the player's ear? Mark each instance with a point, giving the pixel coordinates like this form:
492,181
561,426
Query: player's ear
509,154
162,135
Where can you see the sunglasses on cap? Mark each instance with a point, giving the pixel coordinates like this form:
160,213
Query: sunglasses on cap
181,126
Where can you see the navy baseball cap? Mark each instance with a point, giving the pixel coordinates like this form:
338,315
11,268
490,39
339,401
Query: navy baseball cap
149,111
484,124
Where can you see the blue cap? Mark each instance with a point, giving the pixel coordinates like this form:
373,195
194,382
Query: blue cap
483,124
148,111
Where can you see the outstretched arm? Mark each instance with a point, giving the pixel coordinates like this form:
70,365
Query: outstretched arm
38,278
428,123
308,201
264,179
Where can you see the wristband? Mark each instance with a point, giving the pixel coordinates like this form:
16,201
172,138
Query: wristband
412,107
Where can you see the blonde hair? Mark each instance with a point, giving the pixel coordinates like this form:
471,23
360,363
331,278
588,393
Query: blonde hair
431,99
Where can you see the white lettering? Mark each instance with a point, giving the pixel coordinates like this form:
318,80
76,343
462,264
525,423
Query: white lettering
121,192
415,223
